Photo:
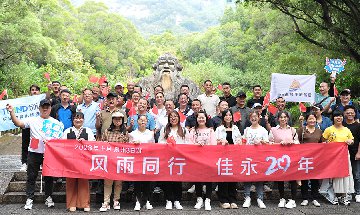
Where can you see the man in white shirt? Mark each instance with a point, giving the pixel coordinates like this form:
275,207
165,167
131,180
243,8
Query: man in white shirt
42,129
209,100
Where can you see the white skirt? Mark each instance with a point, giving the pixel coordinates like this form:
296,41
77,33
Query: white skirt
346,184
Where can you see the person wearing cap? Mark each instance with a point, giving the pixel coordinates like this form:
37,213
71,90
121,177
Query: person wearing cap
242,108
64,111
77,189
257,98
89,108
209,100
345,99
354,149
322,122
103,118
230,99
39,135
119,88
263,120
116,132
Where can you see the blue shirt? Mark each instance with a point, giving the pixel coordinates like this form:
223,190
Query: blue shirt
65,116
150,123
89,114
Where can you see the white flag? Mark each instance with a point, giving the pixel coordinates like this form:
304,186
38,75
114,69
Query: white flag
293,88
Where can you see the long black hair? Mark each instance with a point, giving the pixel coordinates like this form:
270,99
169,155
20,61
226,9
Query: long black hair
223,114
180,130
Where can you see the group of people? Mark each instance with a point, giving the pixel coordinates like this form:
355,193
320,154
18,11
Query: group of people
205,120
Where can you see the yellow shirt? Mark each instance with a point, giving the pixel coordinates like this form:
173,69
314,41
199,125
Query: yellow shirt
332,134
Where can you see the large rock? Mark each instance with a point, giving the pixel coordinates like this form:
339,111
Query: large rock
167,74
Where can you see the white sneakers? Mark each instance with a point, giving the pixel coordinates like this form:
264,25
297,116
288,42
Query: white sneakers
357,198
290,204
207,204
116,205
177,205
199,203
137,206
282,203
23,167
104,207
247,202
148,206
304,203
225,205
168,205
261,204
191,189
314,202
28,204
49,202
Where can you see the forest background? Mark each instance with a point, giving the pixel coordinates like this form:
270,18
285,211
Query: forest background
251,40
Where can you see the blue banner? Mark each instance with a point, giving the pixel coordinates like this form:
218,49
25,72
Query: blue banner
24,107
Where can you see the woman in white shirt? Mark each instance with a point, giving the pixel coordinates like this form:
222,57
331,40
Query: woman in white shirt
202,135
173,133
142,135
255,135
227,134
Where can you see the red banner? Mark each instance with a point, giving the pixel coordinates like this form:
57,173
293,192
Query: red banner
193,163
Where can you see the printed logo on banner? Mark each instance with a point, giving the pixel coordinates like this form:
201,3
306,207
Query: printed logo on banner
295,85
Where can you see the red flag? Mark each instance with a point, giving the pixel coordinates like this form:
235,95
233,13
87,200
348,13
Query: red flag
129,104
266,99
182,117
147,96
75,99
101,105
336,92
220,87
47,76
302,107
155,110
93,79
237,116
272,109
102,79
171,140
3,94
132,111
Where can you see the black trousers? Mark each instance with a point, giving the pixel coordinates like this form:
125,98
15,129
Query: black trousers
33,167
227,192
143,187
172,191
25,141
314,189
293,188
198,189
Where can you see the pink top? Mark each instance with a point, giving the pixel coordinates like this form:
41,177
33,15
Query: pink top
278,134
203,136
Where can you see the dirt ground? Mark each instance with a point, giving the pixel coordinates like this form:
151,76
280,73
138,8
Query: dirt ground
10,144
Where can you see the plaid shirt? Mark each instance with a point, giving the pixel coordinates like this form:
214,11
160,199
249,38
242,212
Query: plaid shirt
115,136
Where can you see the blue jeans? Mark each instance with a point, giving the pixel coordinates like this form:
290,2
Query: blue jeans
259,189
355,164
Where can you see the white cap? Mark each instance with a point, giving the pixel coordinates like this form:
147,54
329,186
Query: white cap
119,84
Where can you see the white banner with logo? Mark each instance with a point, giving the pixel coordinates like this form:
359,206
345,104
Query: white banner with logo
293,88
24,107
